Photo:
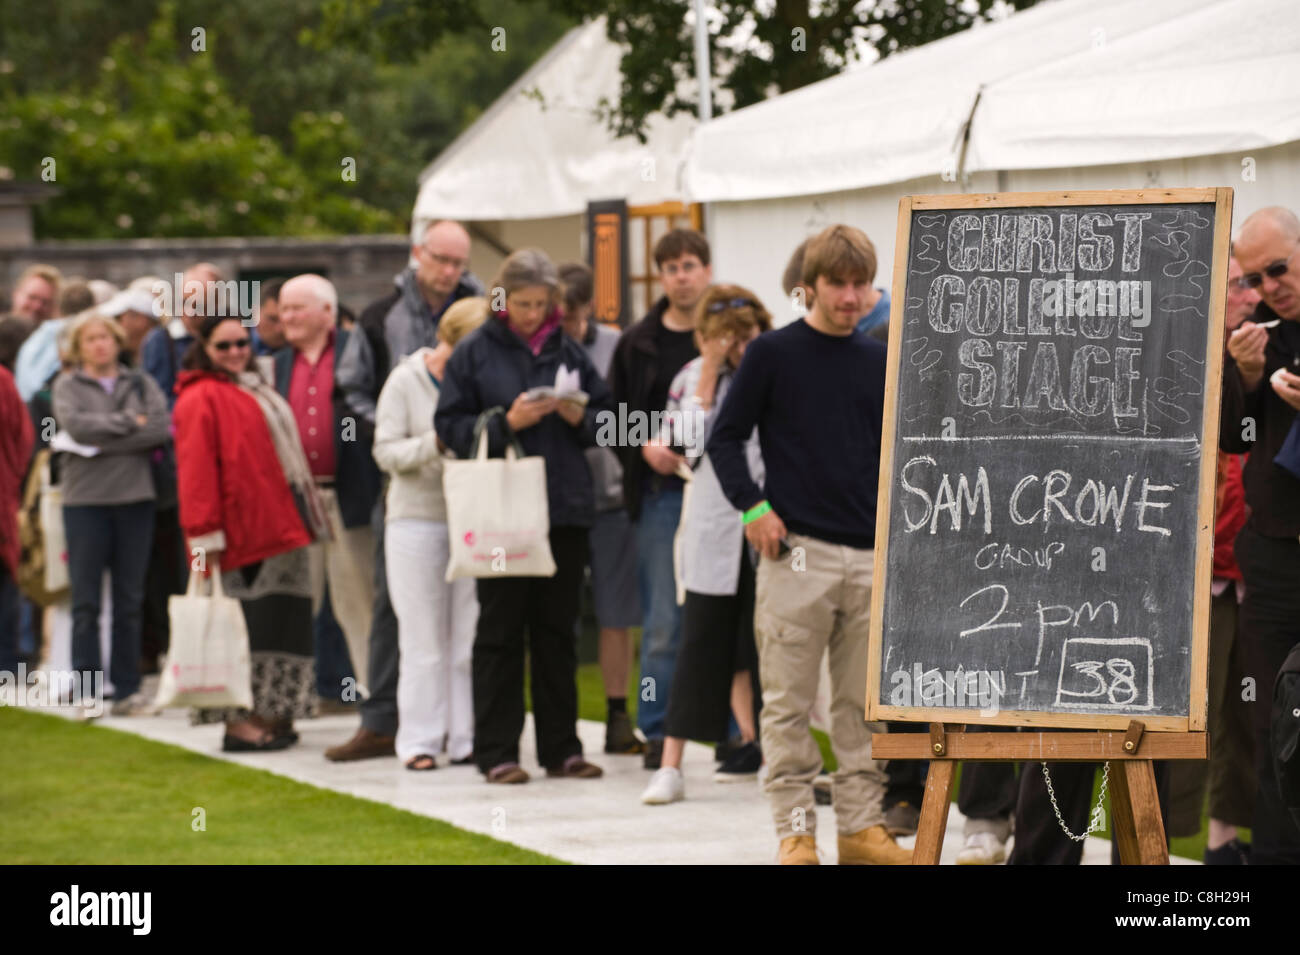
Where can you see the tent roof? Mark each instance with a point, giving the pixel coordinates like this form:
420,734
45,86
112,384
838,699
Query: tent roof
541,151
1216,78
1064,83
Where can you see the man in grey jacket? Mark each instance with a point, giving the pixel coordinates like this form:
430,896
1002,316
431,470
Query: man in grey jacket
612,539
388,331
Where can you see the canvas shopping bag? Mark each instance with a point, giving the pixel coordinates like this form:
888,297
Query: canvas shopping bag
679,539
56,542
208,663
498,518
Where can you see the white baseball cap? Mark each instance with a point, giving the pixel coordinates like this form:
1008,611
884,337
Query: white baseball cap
130,300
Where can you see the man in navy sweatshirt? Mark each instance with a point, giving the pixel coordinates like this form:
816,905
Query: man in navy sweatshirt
816,390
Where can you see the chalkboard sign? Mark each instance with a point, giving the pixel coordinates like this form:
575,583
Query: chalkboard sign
1046,510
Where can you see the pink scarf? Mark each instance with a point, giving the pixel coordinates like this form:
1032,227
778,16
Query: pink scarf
536,340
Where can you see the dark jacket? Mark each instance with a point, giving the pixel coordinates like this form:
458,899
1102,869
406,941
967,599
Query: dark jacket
161,355
1272,494
489,369
1285,735
631,379
357,481
392,328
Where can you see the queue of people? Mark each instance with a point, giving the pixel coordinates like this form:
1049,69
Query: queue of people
303,460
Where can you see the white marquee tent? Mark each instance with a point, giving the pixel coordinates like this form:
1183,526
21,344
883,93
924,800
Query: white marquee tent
524,172
1070,94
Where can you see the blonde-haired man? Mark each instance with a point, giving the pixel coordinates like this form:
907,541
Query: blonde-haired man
36,296
815,389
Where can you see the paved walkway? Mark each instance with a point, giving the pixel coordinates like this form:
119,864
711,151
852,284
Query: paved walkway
583,821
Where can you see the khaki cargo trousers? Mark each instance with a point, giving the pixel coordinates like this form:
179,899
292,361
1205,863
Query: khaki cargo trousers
816,600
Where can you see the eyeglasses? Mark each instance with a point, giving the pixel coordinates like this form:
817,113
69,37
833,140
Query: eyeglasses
732,303
446,261
1256,279
240,343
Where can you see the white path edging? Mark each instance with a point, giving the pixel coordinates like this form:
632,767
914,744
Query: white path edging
585,821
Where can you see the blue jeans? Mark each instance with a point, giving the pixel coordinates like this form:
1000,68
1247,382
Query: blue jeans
661,630
119,538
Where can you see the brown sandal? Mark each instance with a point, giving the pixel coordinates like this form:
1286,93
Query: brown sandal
508,773
422,763
575,767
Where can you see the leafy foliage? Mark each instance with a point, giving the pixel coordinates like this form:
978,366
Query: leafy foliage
760,49
246,136
158,147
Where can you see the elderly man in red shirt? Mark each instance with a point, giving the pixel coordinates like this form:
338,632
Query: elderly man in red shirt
345,473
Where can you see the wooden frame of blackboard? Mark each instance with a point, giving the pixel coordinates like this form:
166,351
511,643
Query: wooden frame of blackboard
1195,721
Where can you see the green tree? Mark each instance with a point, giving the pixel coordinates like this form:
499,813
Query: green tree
756,51
158,147
319,98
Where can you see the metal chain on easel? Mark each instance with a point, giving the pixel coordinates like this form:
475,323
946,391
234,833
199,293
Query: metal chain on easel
1098,814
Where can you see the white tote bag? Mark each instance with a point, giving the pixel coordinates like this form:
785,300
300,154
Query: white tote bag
208,663
53,537
498,518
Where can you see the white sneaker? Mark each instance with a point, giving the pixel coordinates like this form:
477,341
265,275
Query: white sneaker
982,848
666,786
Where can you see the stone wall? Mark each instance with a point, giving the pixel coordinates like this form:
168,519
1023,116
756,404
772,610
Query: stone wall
360,266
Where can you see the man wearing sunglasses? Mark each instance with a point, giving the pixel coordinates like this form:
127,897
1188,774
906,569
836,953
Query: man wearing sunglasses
392,328
1261,394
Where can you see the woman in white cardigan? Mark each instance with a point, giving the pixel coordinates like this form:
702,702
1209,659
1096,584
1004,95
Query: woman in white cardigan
435,619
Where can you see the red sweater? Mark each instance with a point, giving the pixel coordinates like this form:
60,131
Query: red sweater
229,478
16,438
1229,515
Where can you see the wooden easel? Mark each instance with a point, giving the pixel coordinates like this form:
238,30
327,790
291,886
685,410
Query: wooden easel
1137,826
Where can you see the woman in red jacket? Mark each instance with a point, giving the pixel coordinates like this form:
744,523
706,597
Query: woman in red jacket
15,450
248,505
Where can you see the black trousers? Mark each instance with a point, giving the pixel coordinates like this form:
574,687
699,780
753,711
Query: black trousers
987,790
717,643
905,778
1269,628
167,575
379,709
537,614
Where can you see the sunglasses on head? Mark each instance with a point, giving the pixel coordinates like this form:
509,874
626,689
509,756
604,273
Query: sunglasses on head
226,346
731,303
1256,279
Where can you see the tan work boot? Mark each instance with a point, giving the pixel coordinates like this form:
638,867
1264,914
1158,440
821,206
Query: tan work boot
873,846
799,850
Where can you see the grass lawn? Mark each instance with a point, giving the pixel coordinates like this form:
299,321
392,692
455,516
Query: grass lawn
78,794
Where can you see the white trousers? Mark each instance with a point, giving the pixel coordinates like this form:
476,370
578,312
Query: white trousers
58,642
435,637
